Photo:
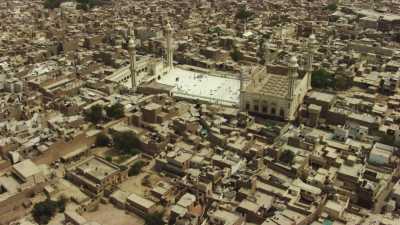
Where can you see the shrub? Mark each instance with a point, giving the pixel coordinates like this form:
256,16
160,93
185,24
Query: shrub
115,111
44,211
136,168
154,218
332,7
236,55
126,142
322,79
102,140
109,158
94,114
287,157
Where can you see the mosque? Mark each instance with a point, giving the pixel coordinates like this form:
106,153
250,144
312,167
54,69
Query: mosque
270,90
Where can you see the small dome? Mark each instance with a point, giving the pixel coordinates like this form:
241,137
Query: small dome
168,27
313,39
293,61
131,31
131,43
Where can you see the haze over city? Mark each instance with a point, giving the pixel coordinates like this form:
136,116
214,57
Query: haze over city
199,112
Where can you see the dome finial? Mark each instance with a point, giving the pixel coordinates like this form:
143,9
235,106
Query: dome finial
293,62
313,39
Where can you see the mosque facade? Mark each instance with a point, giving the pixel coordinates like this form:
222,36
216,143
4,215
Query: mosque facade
273,90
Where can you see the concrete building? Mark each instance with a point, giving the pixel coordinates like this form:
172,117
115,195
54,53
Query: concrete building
95,175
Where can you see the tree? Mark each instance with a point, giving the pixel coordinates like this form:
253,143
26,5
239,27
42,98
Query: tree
154,218
236,55
243,14
382,85
94,114
115,111
87,4
287,157
102,140
126,142
109,158
136,168
43,211
52,4
332,7
62,203
322,79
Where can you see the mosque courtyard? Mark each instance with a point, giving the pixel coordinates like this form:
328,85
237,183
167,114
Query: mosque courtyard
201,86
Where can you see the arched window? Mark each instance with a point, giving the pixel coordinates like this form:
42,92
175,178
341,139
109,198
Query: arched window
265,109
273,111
256,108
282,113
256,105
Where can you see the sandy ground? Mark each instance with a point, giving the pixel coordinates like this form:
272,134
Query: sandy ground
108,214
134,184
58,150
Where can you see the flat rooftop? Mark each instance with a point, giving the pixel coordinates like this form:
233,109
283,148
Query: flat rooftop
145,203
97,168
205,87
26,168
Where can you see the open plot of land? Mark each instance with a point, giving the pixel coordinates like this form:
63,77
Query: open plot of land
108,214
136,184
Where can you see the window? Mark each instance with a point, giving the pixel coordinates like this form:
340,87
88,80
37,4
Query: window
273,111
256,107
282,113
265,109
247,106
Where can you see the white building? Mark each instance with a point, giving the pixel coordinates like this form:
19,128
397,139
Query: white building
273,90
278,91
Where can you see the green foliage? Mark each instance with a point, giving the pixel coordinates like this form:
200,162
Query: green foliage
332,7
126,142
215,30
244,14
115,111
109,158
236,55
136,168
102,140
94,114
322,79
62,203
52,4
154,218
43,211
87,4
287,157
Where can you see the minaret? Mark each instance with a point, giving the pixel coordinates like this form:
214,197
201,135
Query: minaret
132,54
60,19
267,54
170,50
292,73
311,48
241,89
